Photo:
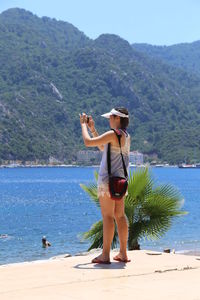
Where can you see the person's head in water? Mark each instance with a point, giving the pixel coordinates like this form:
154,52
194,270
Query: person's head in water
45,243
118,117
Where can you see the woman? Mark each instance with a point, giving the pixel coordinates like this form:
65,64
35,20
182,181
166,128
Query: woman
110,209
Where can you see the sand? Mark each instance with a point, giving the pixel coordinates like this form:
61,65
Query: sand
149,275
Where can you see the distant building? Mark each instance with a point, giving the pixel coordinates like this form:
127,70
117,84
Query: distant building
89,157
136,158
54,161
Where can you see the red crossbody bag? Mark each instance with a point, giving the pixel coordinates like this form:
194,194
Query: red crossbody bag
117,185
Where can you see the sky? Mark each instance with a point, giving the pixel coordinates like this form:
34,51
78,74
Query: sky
156,22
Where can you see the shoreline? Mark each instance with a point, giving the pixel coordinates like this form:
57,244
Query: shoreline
147,165
97,251
37,166
194,253
13,166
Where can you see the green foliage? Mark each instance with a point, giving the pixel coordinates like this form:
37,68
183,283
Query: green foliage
50,72
150,210
91,189
185,55
95,234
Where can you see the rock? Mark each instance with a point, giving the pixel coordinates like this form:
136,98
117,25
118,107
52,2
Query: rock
167,250
61,256
56,91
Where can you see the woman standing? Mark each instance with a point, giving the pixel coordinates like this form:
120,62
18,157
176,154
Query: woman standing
110,209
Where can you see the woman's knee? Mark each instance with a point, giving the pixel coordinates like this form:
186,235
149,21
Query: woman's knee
119,217
108,217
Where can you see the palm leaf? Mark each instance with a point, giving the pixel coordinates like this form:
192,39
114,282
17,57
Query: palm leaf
150,209
96,175
91,189
95,234
139,185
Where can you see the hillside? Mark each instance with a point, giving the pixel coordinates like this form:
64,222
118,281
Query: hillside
50,71
185,56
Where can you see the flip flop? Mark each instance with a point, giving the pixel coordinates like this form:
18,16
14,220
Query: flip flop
121,260
97,260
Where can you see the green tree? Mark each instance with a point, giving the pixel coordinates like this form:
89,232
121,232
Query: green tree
150,210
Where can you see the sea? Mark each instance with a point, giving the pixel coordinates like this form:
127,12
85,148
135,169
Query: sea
48,201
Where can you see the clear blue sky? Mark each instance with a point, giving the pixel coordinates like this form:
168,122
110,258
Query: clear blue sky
158,22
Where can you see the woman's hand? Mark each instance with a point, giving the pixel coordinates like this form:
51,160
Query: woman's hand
91,124
83,118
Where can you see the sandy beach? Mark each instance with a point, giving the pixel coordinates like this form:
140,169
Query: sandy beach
149,275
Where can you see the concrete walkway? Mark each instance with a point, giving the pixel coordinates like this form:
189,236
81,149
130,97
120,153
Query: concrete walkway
149,275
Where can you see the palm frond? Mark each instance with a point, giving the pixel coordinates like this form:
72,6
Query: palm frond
155,227
95,234
96,175
164,201
169,192
91,189
150,209
140,185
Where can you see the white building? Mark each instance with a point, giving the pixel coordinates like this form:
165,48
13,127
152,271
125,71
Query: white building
136,158
89,157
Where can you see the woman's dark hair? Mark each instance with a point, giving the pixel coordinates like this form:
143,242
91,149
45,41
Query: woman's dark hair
123,121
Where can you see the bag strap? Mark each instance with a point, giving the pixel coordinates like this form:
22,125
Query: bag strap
118,134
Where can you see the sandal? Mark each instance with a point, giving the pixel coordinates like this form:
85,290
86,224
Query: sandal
97,260
117,258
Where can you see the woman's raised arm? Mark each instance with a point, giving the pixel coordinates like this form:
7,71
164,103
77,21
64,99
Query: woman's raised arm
98,141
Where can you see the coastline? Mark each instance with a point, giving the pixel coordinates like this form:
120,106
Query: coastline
12,166
16,165
77,278
193,253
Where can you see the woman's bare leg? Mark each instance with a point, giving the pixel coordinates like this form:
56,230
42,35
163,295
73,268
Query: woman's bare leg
107,210
122,227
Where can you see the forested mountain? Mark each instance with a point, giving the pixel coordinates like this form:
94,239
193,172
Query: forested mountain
185,56
50,71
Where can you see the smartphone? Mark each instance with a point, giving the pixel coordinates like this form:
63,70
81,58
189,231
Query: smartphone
88,119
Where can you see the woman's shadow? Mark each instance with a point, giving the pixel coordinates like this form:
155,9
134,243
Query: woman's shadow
92,266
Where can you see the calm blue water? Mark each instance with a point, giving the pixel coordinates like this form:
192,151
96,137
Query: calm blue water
49,201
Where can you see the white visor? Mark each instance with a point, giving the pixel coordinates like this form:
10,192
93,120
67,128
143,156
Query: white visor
114,112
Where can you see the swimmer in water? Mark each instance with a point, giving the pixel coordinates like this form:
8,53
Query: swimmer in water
45,243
